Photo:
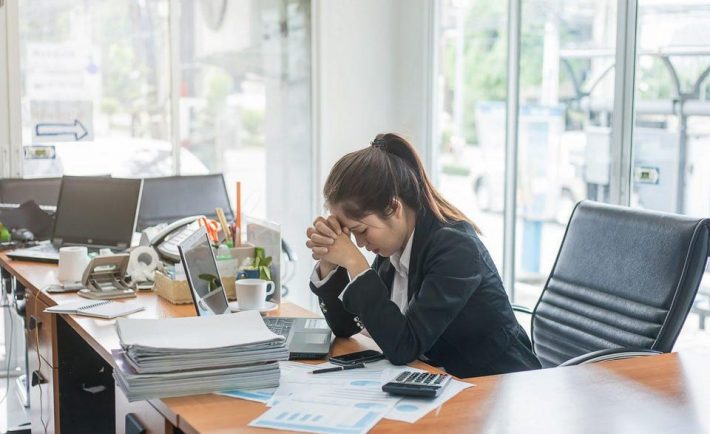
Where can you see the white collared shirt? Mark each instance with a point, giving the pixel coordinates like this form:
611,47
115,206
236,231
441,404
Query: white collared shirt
400,284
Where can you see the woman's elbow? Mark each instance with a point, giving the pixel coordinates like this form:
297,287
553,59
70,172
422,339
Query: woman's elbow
342,333
401,358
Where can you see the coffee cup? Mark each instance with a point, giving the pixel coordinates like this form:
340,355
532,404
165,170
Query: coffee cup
252,293
72,263
248,274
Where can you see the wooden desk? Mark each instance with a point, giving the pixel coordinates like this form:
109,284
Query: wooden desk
667,393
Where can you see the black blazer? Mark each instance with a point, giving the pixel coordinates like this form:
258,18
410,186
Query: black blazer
459,316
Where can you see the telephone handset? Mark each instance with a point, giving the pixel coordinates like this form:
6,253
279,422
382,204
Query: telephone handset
165,240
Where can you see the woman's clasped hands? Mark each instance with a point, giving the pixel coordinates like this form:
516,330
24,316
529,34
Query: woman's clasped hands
330,243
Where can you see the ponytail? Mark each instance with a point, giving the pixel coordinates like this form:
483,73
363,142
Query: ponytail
369,180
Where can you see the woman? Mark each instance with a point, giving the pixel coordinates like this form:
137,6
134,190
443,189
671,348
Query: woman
433,291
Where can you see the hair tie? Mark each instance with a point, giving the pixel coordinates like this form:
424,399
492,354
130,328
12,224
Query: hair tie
379,143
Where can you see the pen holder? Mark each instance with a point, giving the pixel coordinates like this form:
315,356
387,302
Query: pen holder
242,253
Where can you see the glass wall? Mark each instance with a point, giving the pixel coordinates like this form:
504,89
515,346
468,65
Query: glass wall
94,95
671,136
566,102
471,90
98,94
245,104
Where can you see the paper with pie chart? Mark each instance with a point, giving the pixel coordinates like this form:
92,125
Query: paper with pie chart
350,401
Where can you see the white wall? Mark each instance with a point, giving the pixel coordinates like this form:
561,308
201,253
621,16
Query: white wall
4,100
10,122
371,74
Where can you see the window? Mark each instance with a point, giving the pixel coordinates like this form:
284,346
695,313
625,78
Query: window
98,95
472,90
671,138
94,93
566,102
245,104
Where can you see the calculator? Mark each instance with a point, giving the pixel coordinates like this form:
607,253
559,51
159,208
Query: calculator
421,384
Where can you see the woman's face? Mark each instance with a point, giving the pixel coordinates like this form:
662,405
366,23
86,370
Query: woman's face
382,236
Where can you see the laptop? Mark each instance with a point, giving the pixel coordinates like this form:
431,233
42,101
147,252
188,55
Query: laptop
306,338
97,212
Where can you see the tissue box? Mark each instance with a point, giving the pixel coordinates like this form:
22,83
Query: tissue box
178,291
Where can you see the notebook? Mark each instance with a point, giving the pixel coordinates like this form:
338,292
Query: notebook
100,309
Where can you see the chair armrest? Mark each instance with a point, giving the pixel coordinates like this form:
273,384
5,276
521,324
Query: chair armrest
609,354
523,309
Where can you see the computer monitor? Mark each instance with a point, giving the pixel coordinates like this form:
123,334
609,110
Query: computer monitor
96,211
202,275
170,198
43,191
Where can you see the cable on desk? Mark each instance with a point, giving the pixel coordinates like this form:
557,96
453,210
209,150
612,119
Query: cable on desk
9,351
45,425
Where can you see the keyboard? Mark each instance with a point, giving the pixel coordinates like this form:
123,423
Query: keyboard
280,326
44,247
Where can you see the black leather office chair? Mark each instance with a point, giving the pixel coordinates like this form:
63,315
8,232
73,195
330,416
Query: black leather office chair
621,286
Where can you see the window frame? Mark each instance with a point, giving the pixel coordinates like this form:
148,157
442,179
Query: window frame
10,122
623,114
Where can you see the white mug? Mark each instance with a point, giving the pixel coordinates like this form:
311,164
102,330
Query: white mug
72,263
252,293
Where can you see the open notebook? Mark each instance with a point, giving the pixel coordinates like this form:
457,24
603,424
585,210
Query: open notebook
100,309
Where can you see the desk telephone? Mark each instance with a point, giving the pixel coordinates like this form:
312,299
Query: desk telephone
166,239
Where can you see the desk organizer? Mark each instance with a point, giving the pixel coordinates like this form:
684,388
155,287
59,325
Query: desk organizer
243,252
178,291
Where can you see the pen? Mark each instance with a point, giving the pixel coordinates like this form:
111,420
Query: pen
339,368
238,217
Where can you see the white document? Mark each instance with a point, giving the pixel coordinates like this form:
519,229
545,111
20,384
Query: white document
297,377
197,332
106,309
351,390
288,369
260,395
333,416
411,409
366,397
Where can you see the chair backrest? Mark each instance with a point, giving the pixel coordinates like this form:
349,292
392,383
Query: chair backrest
623,278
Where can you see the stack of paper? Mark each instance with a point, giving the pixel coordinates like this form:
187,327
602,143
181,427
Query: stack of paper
186,356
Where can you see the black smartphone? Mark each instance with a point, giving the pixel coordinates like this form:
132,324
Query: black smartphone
360,356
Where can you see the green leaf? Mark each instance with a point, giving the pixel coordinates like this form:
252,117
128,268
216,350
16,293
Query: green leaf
207,277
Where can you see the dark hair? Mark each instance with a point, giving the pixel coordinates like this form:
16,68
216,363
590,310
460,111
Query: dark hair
369,180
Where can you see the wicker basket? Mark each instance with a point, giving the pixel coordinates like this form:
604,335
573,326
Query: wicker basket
178,291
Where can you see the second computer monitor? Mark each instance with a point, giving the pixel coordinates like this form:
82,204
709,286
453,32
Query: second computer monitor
97,211
43,191
170,198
